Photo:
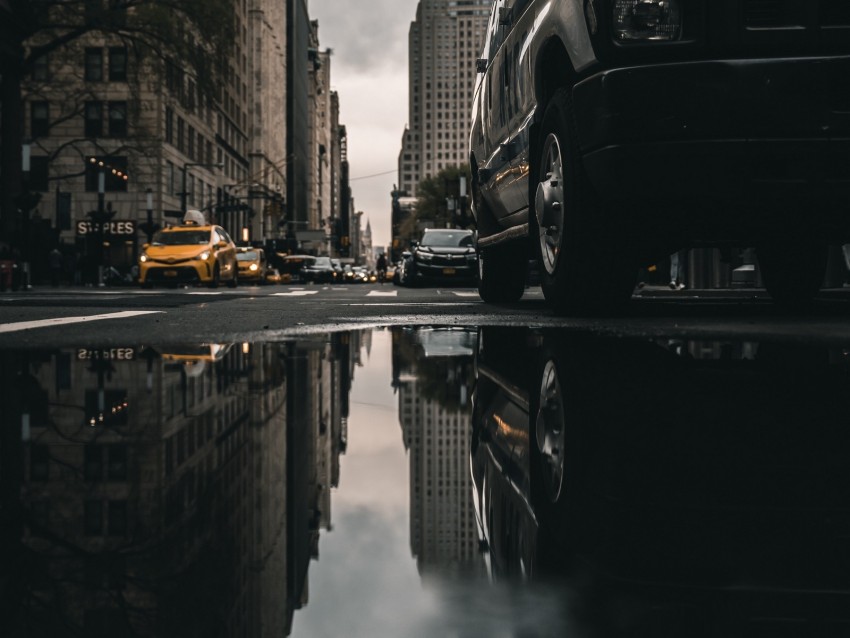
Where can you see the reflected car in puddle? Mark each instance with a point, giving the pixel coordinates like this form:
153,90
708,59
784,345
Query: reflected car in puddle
701,486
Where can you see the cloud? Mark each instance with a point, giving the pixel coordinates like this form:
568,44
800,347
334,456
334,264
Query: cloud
365,36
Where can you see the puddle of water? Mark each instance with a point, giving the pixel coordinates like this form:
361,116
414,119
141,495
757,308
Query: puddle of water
422,482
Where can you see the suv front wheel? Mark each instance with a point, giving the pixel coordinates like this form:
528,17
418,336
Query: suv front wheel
584,267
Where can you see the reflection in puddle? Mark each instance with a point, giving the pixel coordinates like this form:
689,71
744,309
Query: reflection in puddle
420,482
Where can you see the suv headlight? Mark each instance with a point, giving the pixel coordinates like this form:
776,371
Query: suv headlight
647,20
204,255
425,256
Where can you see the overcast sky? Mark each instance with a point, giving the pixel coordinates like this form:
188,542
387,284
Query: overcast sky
369,70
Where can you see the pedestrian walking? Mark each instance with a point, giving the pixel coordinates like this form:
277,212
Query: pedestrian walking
677,270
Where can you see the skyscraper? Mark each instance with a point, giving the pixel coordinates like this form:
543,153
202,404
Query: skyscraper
444,42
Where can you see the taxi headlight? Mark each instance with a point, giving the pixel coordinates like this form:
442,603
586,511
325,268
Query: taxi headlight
253,267
647,20
204,255
143,258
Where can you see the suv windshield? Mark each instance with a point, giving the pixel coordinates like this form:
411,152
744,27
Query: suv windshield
460,239
182,238
322,262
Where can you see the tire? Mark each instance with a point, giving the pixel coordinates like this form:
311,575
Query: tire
585,268
793,272
501,273
216,278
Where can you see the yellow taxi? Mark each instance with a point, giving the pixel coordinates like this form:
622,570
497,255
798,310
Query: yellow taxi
252,264
189,253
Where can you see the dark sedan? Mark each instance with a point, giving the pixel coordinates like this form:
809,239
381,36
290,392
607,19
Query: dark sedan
320,271
443,255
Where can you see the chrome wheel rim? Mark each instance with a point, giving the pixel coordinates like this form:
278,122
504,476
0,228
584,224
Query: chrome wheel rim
549,203
550,431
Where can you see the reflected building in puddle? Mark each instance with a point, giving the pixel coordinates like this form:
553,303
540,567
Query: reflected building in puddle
433,374
170,491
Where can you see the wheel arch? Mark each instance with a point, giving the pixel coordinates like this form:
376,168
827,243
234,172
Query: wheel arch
553,70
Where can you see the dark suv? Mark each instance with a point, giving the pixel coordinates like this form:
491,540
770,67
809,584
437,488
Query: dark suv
607,134
446,255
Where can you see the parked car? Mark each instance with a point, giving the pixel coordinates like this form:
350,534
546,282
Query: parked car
443,255
320,271
606,135
252,264
189,253
293,266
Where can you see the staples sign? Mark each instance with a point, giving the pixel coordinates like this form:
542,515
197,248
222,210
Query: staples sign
114,227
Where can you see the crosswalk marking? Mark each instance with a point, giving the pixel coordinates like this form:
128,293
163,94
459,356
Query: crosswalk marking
378,293
295,293
61,321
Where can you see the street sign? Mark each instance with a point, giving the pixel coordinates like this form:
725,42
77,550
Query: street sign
123,227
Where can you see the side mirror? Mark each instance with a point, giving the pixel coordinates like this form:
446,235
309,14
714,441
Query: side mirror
145,246
414,244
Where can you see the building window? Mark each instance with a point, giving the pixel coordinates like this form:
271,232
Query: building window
94,65
117,119
117,64
180,127
169,125
169,176
94,119
93,518
40,119
41,69
191,140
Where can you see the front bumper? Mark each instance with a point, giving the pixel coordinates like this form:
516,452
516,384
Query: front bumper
186,272
740,141
251,275
466,271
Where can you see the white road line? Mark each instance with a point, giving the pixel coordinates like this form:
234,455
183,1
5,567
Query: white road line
62,321
377,293
208,294
464,294
296,293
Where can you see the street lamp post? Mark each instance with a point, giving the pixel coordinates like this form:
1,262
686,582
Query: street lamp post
26,165
149,229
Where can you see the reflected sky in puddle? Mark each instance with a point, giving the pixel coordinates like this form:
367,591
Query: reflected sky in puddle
422,482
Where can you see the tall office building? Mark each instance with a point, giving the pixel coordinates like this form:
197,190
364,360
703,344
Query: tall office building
444,42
